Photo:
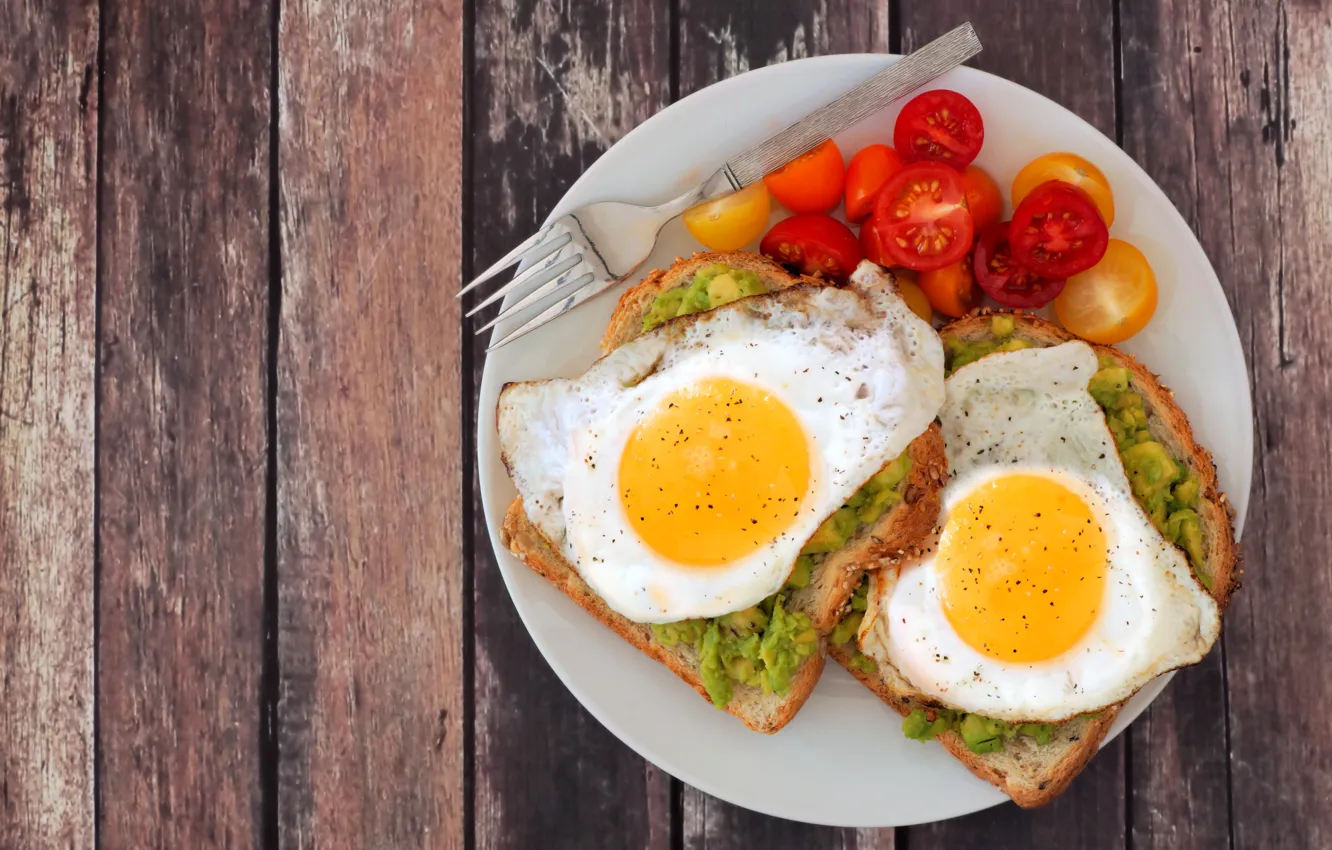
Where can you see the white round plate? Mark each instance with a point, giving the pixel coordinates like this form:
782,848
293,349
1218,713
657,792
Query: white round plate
842,760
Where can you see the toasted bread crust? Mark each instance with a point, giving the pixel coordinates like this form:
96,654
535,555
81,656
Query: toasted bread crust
829,593
627,320
761,712
1046,772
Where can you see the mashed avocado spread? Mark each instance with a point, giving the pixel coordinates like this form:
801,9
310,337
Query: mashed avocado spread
712,286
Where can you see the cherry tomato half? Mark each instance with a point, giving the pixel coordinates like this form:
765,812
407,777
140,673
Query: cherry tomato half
732,221
984,202
1070,168
869,170
1004,280
921,217
939,125
814,245
1112,300
1057,232
871,243
916,298
951,289
810,183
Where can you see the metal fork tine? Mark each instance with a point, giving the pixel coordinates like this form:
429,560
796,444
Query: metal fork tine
540,293
559,308
538,277
517,255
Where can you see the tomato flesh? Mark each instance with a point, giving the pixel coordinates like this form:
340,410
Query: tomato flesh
922,219
984,202
1057,232
732,221
939,125
1112,300
810,183
813,244
1003,279
951,289
867,173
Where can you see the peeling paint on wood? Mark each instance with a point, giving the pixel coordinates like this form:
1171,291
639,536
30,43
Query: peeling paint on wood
48,128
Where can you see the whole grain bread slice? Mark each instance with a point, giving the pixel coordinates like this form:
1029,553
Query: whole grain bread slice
1033,774
831,583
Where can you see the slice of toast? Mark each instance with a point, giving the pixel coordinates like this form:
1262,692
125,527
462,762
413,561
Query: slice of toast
1033,774
831,584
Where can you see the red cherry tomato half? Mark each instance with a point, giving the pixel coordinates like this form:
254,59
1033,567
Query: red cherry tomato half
871,243
869,170
939,125
922,219
1004,280
813,244
1056,231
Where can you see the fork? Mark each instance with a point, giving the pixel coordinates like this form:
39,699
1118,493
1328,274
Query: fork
585,252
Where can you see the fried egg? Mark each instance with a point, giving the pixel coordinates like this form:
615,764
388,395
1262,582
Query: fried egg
683,472
1049,592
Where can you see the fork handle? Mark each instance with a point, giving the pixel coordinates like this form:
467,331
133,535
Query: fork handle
911,72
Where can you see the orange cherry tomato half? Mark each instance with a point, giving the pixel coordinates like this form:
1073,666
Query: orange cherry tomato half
732,221
810,183
1112,300
1056,231
1072,169
869,170
951,289
916,299
939,125
921,217
813,244
984,202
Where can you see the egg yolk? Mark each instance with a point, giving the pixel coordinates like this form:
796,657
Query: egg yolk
1021,568
716,471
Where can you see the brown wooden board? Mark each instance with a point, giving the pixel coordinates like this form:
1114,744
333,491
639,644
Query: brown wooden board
719,41
1241,90
552,86
1175,86
48,161
182,363
369,441
1074,35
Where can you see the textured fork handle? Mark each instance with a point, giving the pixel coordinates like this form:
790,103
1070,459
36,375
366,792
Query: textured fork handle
913,71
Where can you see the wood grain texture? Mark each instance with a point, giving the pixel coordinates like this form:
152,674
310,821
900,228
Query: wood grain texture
48,151
1074,35
1176,78
184,306
368,425
1242,89
719,41
553,86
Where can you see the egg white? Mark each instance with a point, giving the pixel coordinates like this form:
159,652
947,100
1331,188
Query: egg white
861,373
1029,411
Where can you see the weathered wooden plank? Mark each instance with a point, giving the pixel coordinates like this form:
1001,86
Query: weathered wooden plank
1176,77
48,153
368,425
184,313
552,87
719,41
1075,35
1244,86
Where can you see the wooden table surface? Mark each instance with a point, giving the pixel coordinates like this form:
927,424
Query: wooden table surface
246,594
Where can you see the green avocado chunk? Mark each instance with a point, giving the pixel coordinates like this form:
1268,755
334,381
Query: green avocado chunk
712,286
799,577
833,533
760,646
958,352
1002,325
982,734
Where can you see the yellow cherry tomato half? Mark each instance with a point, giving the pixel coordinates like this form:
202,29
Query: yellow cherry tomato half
1070,168
1112,300
915,298
732,221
